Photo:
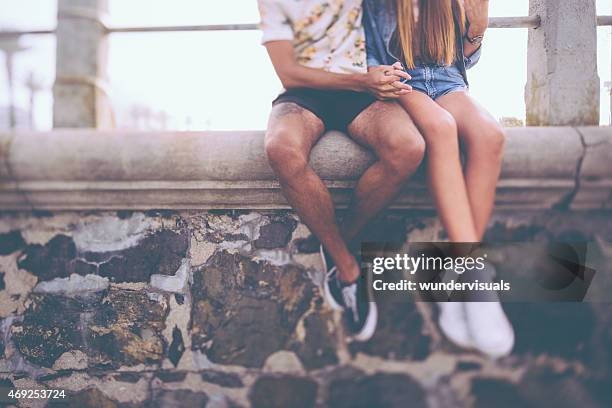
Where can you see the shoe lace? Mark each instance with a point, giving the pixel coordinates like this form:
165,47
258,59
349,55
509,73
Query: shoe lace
349,294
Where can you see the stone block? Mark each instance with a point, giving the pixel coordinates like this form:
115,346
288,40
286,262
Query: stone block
379,390
282,392
119,327
244,311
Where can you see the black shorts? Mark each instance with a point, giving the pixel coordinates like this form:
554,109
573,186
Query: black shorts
336,109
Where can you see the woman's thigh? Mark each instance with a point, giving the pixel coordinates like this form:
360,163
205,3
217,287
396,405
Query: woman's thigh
476,126
433,120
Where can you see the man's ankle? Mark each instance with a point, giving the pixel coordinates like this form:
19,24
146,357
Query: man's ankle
349,274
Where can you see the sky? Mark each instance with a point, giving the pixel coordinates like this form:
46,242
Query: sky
224,80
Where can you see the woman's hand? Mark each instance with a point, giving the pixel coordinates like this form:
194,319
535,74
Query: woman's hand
477,13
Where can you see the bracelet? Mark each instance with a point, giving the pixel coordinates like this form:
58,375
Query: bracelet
476,40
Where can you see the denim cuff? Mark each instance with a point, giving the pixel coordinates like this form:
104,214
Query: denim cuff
373,61
473,59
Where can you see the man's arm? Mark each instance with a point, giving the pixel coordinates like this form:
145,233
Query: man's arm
477,14
384,83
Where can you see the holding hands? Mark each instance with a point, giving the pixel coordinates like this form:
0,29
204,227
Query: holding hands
384,81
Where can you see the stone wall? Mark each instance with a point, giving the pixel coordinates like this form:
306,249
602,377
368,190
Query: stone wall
222,309
214,299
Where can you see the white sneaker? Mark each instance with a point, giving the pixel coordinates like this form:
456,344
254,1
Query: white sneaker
453,323
489,328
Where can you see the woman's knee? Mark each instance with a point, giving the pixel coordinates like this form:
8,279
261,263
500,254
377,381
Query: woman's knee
489,140
440,130
495,139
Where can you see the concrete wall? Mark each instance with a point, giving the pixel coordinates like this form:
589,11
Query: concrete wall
80,92
85,169
556,93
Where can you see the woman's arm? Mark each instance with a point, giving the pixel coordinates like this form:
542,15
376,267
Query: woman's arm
477,14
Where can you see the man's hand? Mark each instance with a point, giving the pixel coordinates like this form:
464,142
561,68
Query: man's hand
477,13
384,81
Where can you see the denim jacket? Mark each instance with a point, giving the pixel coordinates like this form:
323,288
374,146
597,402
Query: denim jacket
380,22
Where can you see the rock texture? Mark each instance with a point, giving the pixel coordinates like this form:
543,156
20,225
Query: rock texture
223,309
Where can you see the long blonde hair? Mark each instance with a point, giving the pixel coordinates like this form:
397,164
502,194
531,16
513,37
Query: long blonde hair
436,30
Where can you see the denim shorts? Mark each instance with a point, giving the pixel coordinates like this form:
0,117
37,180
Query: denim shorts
436,80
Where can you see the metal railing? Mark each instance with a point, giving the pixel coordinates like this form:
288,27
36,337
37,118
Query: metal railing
494,22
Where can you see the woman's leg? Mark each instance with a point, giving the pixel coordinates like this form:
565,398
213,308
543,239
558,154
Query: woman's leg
448,188
445,174
484,139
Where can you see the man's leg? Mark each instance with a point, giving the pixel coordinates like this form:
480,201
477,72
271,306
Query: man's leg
292,133
385,128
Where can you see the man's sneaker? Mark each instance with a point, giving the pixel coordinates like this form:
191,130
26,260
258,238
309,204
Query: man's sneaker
331,290
328,262
360,314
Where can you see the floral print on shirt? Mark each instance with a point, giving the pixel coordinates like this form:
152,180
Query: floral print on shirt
326,34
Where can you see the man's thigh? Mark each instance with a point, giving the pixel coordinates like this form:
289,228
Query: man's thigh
382,120
294,126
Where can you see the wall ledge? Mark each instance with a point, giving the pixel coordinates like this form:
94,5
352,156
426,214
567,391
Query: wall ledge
547,167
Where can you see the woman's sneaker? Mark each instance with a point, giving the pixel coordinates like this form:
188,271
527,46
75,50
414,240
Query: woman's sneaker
359,313
490,330
453,323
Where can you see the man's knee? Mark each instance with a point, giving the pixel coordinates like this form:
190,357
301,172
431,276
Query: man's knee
403,151
286,157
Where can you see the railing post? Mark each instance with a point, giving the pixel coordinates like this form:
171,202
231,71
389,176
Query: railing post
562,82
80,98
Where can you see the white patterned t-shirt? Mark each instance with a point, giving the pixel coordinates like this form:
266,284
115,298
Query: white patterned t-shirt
326,34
